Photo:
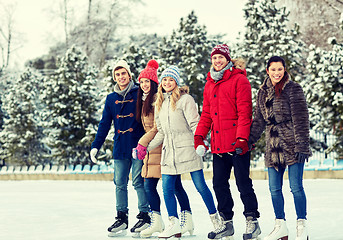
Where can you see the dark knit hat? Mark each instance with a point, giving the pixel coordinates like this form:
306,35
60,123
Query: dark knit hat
150,72
222,49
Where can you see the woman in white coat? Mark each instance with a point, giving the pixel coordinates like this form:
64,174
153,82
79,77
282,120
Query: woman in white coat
177,117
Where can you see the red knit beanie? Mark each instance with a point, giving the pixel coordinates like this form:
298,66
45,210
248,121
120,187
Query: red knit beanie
150,72
222,49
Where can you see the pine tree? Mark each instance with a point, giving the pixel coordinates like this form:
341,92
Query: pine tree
137,58
189,49
267,35
324,88
21,135
70,97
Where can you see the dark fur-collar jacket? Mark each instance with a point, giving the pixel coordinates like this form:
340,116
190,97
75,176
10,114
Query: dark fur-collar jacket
286,121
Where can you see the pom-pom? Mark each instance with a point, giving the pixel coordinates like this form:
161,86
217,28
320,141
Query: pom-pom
153,64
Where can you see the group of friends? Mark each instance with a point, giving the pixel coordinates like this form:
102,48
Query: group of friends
160,135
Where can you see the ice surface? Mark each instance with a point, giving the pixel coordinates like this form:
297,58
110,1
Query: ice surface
51,210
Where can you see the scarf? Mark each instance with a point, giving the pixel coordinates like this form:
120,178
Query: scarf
125,91
216,76
144,96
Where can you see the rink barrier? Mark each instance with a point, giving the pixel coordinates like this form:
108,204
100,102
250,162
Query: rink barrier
105,172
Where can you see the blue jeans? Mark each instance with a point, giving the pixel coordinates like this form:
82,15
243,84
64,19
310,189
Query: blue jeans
121,178
168,183
150,185
295,176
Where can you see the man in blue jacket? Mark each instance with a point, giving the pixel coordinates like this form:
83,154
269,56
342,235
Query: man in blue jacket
120,108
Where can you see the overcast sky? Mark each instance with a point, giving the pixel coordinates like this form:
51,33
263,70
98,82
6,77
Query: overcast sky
33,19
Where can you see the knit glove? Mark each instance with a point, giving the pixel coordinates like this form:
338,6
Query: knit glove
241,146
141,152
92,155
301,157
200,145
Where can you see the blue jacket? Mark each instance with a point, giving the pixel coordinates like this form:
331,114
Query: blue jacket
127,130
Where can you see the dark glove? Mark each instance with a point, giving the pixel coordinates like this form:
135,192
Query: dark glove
301,157
241,146
198,140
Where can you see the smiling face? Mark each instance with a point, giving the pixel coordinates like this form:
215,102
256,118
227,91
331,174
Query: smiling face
276,71
145,84
168,84
219,62
122,78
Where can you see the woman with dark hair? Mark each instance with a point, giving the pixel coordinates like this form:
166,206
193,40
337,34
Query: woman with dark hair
151,170
281,110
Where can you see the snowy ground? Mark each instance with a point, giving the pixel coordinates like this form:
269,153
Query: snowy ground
72,210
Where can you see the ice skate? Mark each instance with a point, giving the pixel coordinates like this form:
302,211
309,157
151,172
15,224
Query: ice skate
186,222
172,230
302,233
216,220
280,231
143,223
156,225
119,227
253,230
224,231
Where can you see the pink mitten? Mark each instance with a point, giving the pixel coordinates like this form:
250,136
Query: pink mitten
141,152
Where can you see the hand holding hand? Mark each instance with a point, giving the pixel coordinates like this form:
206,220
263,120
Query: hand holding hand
141,151
93,154
200,145
241,146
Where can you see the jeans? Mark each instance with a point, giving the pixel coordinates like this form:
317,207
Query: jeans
172,186
222,165
168,183
295,176
150,185
201,186
121,178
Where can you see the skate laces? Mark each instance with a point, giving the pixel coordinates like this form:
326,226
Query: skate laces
250,225
221,227
183,219
300,227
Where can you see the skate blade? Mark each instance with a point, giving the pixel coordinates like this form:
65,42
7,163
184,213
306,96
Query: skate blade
177,236
136,235
228,238
118,234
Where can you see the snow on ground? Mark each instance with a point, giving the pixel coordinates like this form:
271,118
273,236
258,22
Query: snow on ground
72,210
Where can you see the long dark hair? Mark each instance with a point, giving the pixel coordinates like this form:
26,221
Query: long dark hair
279,85
147,106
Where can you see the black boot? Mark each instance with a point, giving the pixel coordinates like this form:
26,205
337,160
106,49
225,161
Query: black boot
143,222
120,224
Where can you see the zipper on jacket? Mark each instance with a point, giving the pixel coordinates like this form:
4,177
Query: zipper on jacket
171,140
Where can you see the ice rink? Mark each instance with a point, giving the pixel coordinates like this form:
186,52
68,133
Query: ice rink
82,210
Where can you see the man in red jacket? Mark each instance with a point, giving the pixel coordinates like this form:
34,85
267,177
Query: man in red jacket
227,112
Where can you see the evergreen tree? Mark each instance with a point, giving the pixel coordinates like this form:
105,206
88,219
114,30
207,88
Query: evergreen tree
105,87
267,35
324,89
70,97
189,49
21,135
137,58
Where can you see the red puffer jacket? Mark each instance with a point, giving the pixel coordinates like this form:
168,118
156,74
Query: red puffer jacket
227,109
